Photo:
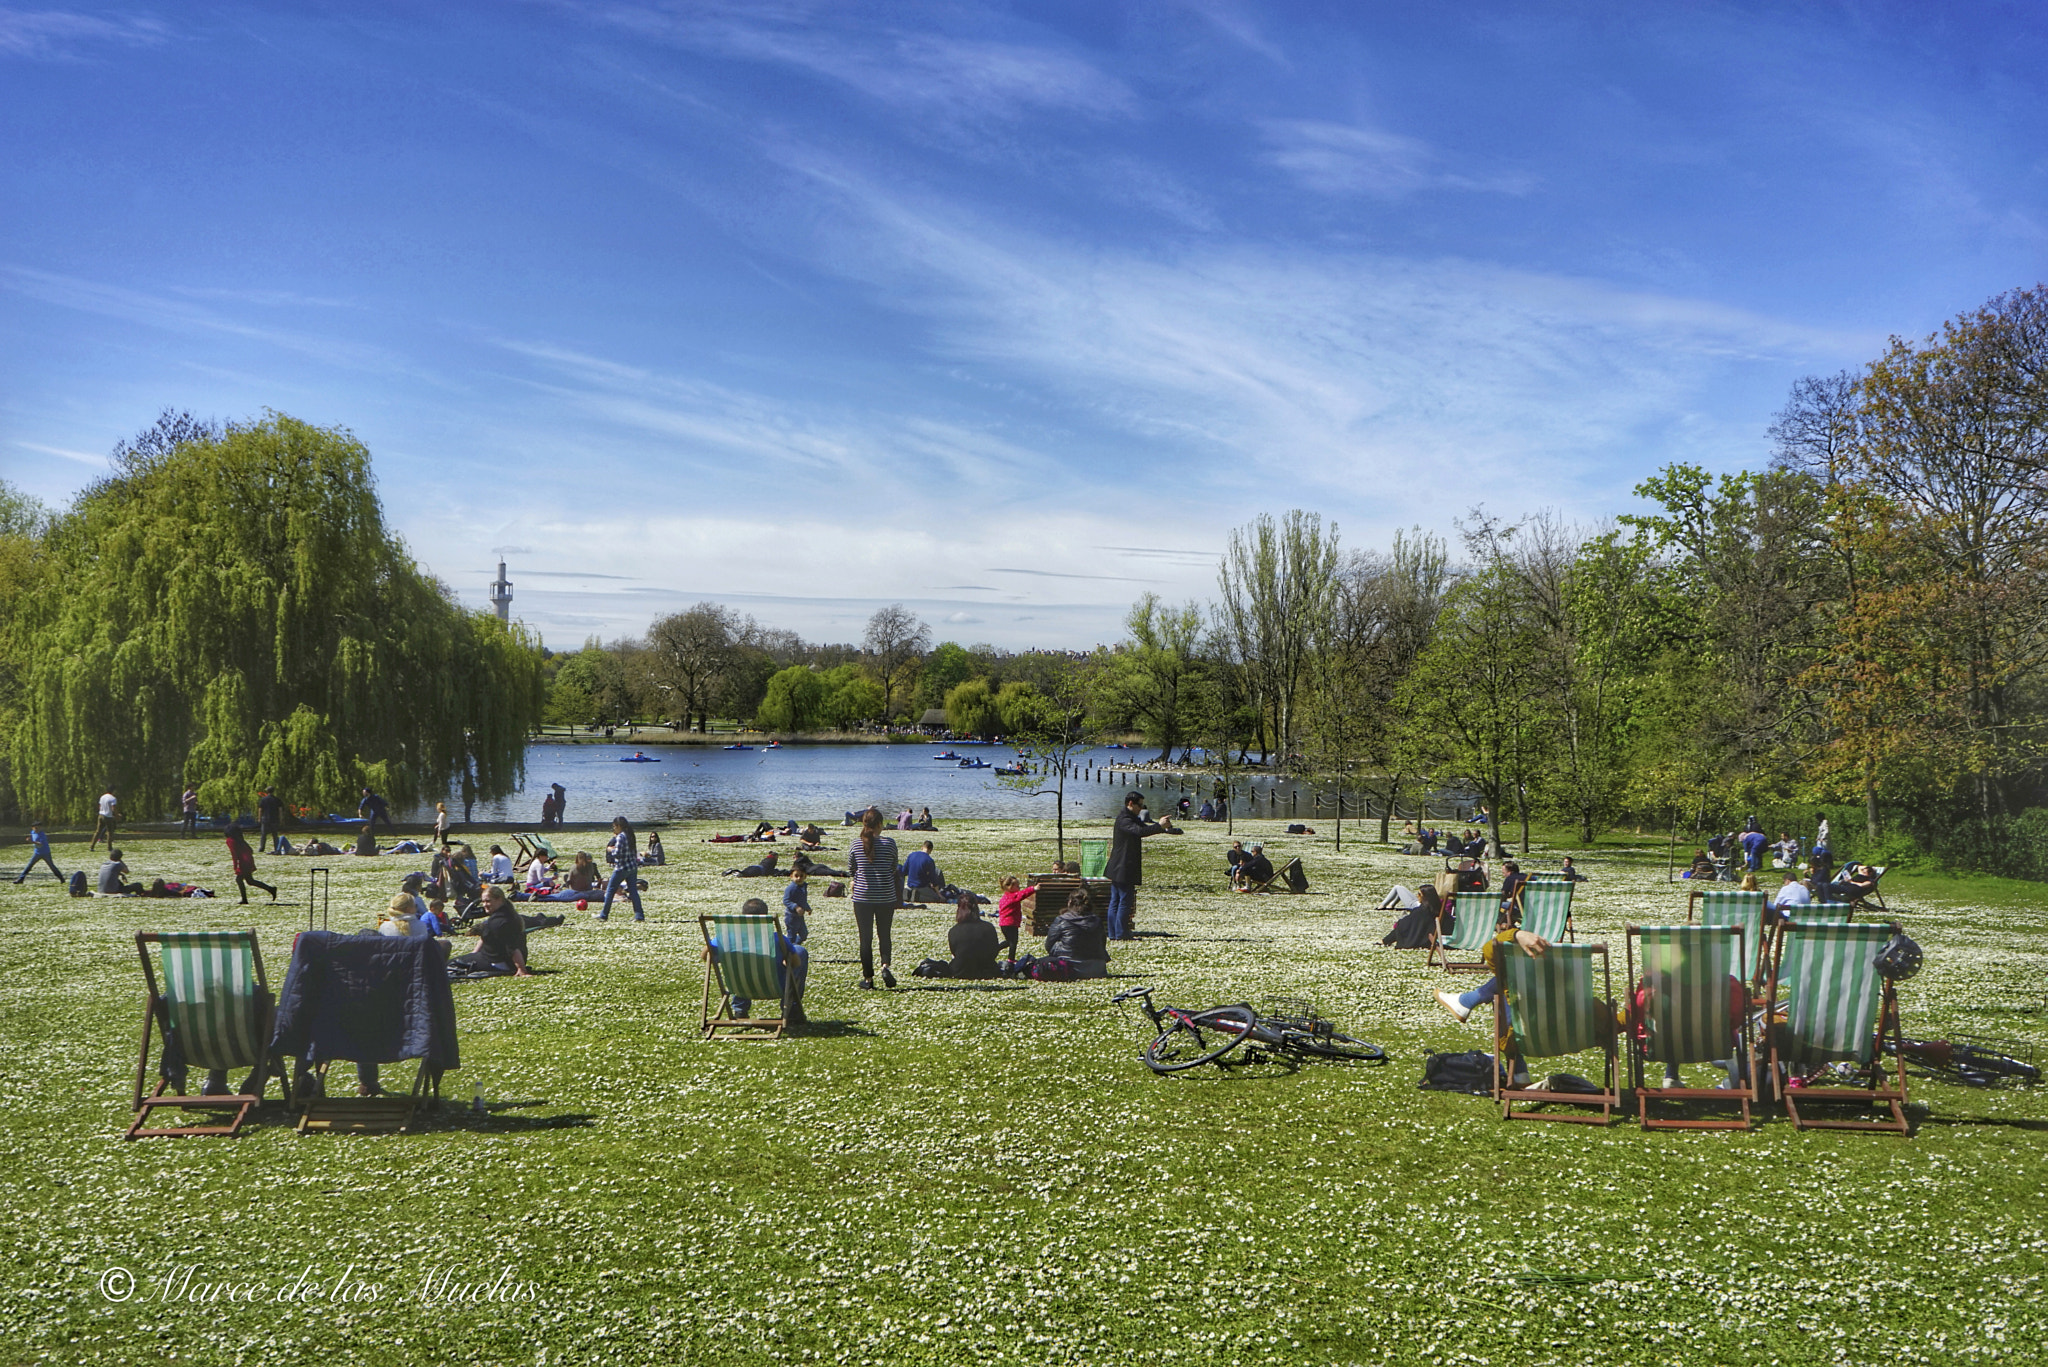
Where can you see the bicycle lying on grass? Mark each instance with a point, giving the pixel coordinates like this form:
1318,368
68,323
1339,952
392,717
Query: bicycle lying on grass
1969,1060
1230,1036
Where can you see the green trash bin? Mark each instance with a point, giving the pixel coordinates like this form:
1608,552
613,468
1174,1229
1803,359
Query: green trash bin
1094,858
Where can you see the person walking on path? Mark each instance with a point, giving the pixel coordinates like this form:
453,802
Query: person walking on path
188,808
269,819
41,841
109,811
373,808
244,860
1126,868
872,859
625,851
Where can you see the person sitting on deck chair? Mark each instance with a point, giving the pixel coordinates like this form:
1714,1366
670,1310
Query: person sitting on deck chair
1461,1005
1856,882
1255,869
789,938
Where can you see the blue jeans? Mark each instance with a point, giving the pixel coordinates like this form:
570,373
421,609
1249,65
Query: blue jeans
626,876
1480,995
1122,902
41,857
799,972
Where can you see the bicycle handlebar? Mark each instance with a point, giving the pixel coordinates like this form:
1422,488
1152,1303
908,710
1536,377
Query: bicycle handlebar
1131,993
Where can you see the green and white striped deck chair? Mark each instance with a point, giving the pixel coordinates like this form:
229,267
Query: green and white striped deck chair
1696,1010
1477,920
1828,1004
208,999
1094,858
1546,909
1552,1007
1838,912
1734,907
743,960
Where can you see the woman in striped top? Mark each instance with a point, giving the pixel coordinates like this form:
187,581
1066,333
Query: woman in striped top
873,864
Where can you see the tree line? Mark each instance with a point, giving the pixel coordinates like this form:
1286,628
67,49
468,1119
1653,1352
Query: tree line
1856,625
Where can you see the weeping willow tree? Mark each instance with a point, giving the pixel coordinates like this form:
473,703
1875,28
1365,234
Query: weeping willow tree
233,613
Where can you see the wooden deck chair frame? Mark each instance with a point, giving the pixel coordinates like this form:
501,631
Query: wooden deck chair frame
1545,906
533,844
235,1038
1706,1018
383,1113
1734,907
1465,938
1554,1027
1844,1014
1279,881
749,967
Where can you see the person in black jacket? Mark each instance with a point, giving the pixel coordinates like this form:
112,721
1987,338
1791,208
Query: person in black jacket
972,941
1126,868
1080,935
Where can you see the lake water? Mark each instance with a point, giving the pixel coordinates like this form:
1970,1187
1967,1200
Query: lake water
812,783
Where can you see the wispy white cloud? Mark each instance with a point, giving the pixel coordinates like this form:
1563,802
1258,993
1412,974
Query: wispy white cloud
978,77
1347,159
177,314
61,34
82,457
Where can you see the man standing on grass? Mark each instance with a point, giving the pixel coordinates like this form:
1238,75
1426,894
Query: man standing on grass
269,819
373,808
106,821
1127,861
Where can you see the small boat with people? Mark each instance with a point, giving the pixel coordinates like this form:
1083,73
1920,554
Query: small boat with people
1011,770
639,757
739,747
773,745
974,764
949,755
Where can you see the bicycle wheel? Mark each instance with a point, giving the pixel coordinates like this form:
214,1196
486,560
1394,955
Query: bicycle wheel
1204,1037
1341,1048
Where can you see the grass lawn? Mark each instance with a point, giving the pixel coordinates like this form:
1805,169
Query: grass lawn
992,1176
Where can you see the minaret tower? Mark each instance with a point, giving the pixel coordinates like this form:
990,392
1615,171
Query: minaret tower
501,594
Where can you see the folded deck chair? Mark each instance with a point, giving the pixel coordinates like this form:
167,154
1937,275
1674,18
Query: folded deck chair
1094,858
214,1012
1546,909
1478,918
1695,1009
1829,1005
1553,1008
1734,907
746,964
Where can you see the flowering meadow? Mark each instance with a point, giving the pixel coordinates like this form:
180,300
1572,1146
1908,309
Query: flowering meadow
988,1174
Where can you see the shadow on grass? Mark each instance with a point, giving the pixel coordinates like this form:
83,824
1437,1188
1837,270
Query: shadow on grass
2009,1122
977,985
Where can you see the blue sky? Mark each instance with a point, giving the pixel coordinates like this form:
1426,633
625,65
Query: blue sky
1008,312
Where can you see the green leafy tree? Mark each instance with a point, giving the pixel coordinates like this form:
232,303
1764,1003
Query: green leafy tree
1049,725
971,709
1150,681
793,701
948,666
235,612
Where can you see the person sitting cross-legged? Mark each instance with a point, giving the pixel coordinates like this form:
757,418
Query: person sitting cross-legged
920,870
972,941
789,938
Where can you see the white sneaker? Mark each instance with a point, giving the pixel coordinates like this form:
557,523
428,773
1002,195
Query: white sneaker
1454,1006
